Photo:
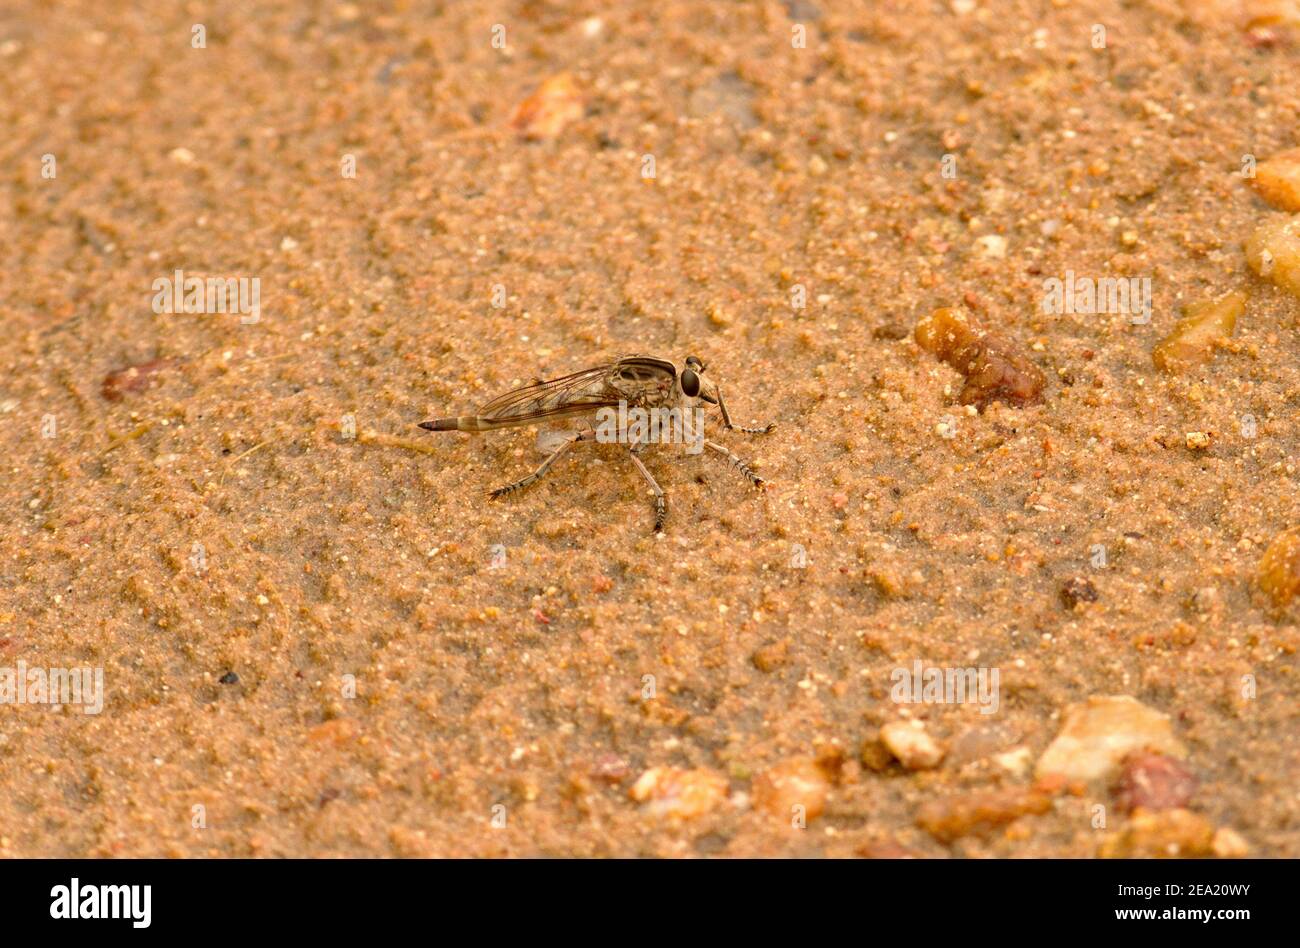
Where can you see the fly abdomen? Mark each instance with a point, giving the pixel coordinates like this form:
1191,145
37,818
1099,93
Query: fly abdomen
459,423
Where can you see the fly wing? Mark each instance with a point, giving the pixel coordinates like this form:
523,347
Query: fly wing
632,379
570,395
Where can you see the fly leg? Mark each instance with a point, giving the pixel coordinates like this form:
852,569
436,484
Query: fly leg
661,502
726,420
585,435
737,463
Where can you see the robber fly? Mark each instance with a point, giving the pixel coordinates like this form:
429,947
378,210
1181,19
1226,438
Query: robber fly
638,381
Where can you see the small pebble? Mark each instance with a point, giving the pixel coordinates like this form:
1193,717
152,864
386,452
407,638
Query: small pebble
1193,339
991,246
1229,844
680,794
796,782
133,378
772,656
1077,589
1016,761
911,745
1277,180
1099,733
950,818
1279,569
547,112
1273,251
1153,781
1161,834
994,367
611,768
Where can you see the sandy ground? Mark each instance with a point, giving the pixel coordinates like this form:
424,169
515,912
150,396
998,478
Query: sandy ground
209,535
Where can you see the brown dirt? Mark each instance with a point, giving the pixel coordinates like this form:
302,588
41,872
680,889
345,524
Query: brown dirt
521,686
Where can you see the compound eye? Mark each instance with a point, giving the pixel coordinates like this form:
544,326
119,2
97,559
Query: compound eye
690,384
694,363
